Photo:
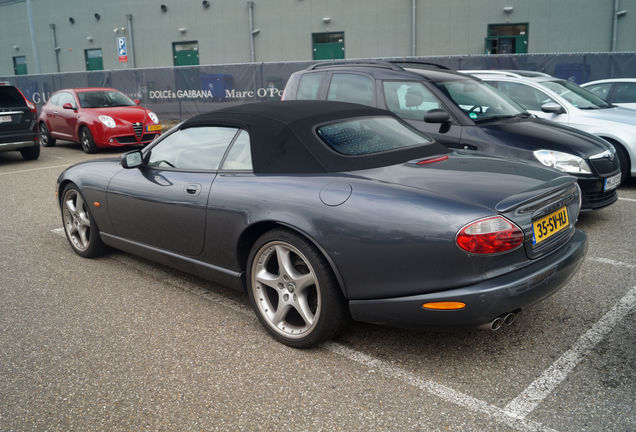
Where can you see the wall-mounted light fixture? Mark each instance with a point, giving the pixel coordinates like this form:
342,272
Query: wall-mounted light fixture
508,9
16,47
205,3
89,38
97,16
256,31
71,20
182,30
164,8
326,20
621,13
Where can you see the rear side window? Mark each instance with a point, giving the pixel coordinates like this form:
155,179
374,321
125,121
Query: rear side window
196,148
409,99
309,85
10,97
351,88
369,135
625,93
240,155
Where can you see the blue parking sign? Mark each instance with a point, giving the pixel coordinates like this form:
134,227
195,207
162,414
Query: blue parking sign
122,50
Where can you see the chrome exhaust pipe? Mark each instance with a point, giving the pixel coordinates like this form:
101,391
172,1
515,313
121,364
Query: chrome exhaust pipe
496,324
509,318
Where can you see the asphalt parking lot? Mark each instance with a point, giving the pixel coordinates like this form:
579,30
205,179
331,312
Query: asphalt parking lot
120,343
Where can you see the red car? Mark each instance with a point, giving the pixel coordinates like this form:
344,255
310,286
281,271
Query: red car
95,118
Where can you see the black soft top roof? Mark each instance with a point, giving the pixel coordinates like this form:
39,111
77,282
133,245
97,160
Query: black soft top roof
283,138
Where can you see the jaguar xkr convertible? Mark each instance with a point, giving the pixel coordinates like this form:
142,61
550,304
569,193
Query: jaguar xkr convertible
327,210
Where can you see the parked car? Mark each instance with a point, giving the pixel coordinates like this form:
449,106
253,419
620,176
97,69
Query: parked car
617,91
324,209
462,112
96,118
18,123
565,102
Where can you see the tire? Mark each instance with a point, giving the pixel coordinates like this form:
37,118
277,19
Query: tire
30,153
45,136
79,226
86,140
302,305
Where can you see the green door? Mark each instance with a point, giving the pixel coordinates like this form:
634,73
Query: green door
185,53
94,59
328,46
19,65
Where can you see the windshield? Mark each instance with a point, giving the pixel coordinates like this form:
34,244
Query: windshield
478,100
369,135
577,96
103,99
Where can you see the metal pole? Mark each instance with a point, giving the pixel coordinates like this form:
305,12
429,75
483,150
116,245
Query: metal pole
615,25
56,49
413,27
250,12
132,41
34,47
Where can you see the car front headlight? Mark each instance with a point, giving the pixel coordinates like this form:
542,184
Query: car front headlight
107,121
565,162
153,117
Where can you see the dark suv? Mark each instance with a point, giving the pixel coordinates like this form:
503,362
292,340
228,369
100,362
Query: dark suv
18,123
463,112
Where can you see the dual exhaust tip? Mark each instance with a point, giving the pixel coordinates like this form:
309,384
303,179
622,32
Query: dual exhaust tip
502,320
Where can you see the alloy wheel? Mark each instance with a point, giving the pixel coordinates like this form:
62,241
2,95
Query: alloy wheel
285,289
77,223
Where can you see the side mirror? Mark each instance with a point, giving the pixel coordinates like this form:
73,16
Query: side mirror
137,101
132,159
68,105
436,116
552,107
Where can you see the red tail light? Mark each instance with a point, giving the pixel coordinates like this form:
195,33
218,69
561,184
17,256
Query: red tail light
490,236
31,106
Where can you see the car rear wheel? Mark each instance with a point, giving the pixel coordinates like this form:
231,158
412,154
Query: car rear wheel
86,139
45,136
30,153
79,226
293,290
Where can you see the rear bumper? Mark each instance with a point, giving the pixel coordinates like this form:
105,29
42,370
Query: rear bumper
484,301
16,145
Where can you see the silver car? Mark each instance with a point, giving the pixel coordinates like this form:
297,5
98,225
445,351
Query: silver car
565,102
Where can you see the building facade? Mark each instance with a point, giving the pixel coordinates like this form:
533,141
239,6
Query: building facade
79,35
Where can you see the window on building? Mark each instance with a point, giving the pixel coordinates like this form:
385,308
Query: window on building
328,46
19,65
507,39
94,59
185,53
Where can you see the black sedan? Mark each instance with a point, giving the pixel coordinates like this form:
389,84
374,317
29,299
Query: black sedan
321,210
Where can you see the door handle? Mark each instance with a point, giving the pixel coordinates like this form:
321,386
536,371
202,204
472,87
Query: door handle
193,189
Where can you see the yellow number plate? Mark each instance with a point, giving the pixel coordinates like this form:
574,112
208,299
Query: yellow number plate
549,225
152,128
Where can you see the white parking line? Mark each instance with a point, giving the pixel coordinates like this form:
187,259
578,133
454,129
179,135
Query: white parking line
627,199
514,414
612,262
34,169
536,392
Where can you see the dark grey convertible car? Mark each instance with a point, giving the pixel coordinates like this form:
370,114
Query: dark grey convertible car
322,210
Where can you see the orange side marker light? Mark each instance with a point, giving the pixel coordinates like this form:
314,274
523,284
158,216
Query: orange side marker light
448,305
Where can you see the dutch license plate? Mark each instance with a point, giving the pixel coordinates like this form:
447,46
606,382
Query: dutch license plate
611,182
5,119
549,225
152,128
